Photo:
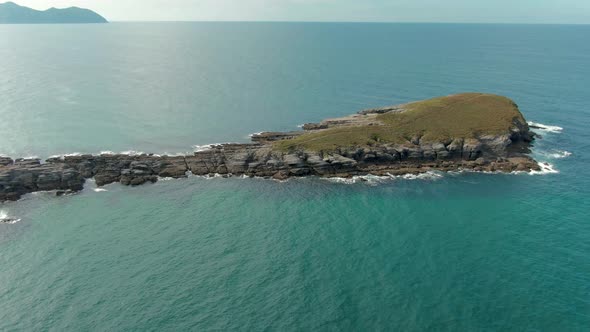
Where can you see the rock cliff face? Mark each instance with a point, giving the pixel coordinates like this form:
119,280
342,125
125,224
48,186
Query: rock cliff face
266,157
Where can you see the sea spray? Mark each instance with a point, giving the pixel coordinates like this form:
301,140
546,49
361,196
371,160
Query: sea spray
546,168
558,154
546,128
207,147
373,180
6,219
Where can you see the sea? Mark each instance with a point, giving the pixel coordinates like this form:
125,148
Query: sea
437,252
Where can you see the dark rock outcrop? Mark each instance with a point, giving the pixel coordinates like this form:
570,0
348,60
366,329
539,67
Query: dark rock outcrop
26,176
506,152
69,173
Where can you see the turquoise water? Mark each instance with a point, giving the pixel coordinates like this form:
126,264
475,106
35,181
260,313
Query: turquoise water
459,252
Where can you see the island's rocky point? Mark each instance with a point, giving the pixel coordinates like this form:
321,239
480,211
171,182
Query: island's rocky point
472,131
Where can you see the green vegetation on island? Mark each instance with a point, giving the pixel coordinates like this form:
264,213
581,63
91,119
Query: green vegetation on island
441,119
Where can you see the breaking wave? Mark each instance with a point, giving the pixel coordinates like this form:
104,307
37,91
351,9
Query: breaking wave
165,179
133,153
557,154
207,147
170,154
546,168
208,176
375,179
127,153
545,155
7,220
201,148
422,176
62,156
546,128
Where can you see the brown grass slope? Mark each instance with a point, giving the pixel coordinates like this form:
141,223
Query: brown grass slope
466,115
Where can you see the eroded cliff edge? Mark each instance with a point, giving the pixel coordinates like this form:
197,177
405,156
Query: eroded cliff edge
471,131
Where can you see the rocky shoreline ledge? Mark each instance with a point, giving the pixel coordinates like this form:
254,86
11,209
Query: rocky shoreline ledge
294,154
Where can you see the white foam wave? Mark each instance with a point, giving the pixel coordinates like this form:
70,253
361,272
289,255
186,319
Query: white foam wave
62,156
175,154
206,147
208,176
341,180
132,153
255,134
7,220
201,148
558,154
11,221
546,128
546,168
375,179
469,171
188,174
99,190
422,176
300,125
211,176
127,153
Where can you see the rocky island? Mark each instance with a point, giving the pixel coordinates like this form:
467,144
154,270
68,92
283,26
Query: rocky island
470,131
11,13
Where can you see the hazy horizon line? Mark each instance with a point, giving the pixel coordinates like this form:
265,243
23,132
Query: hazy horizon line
339,22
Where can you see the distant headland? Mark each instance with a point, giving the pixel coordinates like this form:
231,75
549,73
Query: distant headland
11,13
469,131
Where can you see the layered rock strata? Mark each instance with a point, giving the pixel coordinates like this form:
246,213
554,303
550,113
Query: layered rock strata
20,177
506,152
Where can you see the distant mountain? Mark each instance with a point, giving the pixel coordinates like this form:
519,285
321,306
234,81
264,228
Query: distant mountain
11,13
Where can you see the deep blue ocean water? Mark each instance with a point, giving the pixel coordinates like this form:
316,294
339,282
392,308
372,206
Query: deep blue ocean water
459,252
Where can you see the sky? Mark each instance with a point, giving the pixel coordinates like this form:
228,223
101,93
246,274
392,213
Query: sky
460,11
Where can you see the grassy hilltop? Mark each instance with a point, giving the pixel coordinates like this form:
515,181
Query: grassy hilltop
442,119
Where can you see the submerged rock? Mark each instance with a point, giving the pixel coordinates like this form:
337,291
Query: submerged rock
9,220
